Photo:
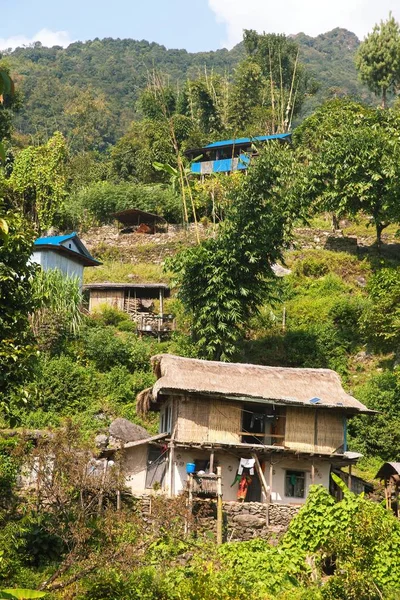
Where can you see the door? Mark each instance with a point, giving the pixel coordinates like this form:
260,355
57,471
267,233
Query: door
156,468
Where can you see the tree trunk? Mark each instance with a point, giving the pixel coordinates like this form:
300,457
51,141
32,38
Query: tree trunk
379,228
384,98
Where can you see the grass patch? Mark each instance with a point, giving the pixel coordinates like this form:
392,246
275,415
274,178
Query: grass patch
117,272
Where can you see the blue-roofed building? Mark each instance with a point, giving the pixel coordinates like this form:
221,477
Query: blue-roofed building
229,155
64,252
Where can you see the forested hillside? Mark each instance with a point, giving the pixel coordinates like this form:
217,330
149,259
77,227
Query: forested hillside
59,85
293,264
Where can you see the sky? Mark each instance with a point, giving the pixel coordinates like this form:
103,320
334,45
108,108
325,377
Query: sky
192,24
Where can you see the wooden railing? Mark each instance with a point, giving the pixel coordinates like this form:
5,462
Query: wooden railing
267,439
154,324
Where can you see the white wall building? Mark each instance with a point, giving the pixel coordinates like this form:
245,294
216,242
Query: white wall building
64,252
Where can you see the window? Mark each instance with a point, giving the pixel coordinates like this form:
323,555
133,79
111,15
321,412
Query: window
166,419
295,484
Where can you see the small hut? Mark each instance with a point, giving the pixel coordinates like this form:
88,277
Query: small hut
138,300
140,221
389,473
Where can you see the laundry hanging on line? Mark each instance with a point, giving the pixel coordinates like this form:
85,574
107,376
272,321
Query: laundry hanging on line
246,463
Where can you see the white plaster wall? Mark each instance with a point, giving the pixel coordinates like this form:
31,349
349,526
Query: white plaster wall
322,473
70,244
54,260
229,465
135,466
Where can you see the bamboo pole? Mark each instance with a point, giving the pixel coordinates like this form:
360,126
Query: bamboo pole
219,505
211,469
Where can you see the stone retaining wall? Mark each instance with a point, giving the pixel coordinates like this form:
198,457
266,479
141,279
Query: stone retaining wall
248,520
242,521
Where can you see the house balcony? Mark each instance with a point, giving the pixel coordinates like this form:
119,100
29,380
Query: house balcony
150,324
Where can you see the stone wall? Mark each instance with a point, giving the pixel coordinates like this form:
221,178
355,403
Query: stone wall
248,520
242,521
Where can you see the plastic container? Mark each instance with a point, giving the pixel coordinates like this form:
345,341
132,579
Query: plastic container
190,468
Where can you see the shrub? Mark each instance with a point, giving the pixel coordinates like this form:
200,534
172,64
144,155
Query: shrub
100,200
64,386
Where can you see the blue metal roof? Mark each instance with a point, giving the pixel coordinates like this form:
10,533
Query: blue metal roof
57,241
239,141
54,240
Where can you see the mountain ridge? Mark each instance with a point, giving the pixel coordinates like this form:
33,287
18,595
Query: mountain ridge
113,71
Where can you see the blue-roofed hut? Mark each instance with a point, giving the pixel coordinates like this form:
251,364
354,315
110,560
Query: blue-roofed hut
229,155
64,252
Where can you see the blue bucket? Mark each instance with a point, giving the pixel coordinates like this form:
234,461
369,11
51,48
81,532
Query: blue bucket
190,468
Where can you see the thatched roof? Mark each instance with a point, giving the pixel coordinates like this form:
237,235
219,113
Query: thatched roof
126,431
280,385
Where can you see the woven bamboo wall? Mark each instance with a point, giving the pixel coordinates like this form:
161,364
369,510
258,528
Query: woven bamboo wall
193,418
114,298
204,420
225,422
300,428
330,434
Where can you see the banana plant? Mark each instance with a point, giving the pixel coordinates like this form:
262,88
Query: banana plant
20,594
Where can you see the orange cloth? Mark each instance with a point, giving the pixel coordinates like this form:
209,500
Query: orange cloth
244,483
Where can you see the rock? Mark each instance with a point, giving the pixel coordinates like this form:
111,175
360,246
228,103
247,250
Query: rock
126,431
101,440
361,281
280,271
249,521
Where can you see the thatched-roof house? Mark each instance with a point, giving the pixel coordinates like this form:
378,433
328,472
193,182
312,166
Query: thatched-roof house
289,426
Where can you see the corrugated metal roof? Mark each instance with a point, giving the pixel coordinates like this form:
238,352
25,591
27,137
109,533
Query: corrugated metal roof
56,244
388,469
54,240
240,141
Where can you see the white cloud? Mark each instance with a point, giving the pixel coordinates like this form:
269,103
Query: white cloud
292,16
45,36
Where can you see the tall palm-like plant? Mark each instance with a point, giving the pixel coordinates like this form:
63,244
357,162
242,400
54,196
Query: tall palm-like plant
59,298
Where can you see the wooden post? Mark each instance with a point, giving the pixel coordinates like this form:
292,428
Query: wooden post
161,302
260,474
189,503
312,472
219,505
349,478
103,480
211,469
118,499
171,469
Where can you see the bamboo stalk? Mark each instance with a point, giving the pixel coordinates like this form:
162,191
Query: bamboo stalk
219,505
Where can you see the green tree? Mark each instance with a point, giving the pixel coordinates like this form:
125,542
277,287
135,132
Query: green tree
287,79
224,280
378,58
39,179
379,435
356,164
17,349
247,95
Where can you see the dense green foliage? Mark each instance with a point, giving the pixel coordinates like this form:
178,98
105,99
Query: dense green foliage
57,83
224,280
17,351
352,162
332,551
